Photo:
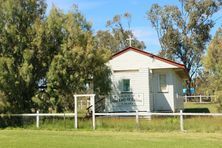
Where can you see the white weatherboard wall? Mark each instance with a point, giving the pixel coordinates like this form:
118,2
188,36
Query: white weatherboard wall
134,60
143,72
139,87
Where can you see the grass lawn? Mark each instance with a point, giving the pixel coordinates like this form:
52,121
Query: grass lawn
106,139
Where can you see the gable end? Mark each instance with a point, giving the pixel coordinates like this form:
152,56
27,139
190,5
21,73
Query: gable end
149,55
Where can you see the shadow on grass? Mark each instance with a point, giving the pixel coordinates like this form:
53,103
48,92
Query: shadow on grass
196,110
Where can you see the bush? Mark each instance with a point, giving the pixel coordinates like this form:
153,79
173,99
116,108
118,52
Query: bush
218,96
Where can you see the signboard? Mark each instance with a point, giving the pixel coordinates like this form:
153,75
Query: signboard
127,99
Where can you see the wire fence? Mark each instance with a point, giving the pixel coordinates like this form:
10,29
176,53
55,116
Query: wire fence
143,120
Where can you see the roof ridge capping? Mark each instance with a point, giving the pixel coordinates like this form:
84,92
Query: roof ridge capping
150,55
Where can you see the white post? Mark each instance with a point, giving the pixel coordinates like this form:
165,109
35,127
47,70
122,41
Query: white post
200,99
37,119
181,120
92,98
137,118
64,118
76,117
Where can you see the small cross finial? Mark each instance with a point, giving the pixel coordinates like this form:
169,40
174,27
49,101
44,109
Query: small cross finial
130,40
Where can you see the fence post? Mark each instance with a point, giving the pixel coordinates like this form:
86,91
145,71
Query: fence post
64,118
186,98
200,99
137,118
75,116
92,99
181,120
37,119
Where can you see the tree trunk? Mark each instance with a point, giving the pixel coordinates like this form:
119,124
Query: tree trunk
188,83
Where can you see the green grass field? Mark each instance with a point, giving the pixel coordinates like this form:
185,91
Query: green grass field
106,139
117,132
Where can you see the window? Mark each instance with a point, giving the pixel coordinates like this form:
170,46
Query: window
126,85
162,83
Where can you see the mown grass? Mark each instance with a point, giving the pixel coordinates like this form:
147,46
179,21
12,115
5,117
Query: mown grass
106,139
202,124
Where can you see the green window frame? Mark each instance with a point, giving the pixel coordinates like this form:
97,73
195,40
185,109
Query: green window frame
126,85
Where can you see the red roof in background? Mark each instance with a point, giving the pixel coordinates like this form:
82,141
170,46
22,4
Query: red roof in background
149,55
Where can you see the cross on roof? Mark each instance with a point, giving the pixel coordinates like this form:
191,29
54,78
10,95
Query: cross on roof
130,40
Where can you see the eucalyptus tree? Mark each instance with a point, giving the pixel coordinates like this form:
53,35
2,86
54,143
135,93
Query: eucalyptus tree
115,38
184,31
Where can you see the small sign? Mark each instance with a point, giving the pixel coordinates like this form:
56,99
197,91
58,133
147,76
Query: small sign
127,99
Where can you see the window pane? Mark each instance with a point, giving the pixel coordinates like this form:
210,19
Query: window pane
126,85
162,81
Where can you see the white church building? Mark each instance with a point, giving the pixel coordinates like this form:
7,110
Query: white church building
144,82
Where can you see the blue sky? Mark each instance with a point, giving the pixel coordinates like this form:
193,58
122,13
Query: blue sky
99,11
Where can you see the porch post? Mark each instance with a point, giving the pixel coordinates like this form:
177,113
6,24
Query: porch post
92,98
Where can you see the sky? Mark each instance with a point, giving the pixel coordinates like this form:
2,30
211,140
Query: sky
99,11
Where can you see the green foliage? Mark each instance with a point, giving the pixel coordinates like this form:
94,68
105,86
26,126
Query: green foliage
72,69
4,105
183,33
77,63
59,47
213,59
213,68
17,53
